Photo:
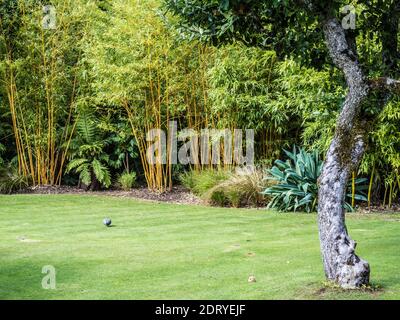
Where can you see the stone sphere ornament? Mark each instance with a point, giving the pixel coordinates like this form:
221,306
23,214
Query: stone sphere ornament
107,222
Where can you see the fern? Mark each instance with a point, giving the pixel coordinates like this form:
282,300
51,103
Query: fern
85,175
75,164
101,172
86,126
88,157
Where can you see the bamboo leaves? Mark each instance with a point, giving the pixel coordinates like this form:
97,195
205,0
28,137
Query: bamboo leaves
41,78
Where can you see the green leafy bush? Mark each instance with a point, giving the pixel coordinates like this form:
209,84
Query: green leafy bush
186,179
12,181
200,182
2,149
296,187
127,180
217,197
89,159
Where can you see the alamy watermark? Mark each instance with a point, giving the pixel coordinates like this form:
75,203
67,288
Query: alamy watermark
49,20
49,280
349,20
209,146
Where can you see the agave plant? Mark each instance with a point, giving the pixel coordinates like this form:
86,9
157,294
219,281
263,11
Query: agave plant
296,180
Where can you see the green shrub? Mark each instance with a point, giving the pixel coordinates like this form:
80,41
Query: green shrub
200,182
127,180
243,188
2,149
296,180
186,179
217,197
11,181
88,156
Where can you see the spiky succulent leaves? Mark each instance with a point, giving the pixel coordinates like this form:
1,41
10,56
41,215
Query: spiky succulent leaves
296,178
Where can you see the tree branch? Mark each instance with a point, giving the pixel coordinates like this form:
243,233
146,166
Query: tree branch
346,60
384,83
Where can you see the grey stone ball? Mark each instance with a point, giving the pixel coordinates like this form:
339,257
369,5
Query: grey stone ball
107,222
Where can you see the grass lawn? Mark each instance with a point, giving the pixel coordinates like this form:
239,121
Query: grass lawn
165,251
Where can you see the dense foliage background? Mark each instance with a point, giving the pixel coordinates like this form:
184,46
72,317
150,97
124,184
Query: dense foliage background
76,101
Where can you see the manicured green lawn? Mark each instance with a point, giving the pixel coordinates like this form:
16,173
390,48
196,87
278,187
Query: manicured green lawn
164,251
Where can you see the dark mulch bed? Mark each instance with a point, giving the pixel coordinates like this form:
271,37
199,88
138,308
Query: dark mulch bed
395,208
178,194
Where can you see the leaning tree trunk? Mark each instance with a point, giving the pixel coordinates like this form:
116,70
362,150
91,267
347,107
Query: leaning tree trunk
341,264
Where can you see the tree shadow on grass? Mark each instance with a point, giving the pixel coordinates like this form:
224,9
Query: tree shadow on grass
23,279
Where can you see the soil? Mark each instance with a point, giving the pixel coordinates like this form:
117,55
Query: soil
178,194
379,209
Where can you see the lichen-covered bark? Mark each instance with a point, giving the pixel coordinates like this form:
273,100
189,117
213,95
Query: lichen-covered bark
341,264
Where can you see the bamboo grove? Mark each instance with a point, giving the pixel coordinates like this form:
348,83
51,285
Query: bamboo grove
40,77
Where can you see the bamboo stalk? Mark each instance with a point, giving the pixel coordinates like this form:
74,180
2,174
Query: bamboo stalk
353,189
370,187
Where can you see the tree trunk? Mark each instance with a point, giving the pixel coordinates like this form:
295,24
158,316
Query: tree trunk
95,184
341,264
